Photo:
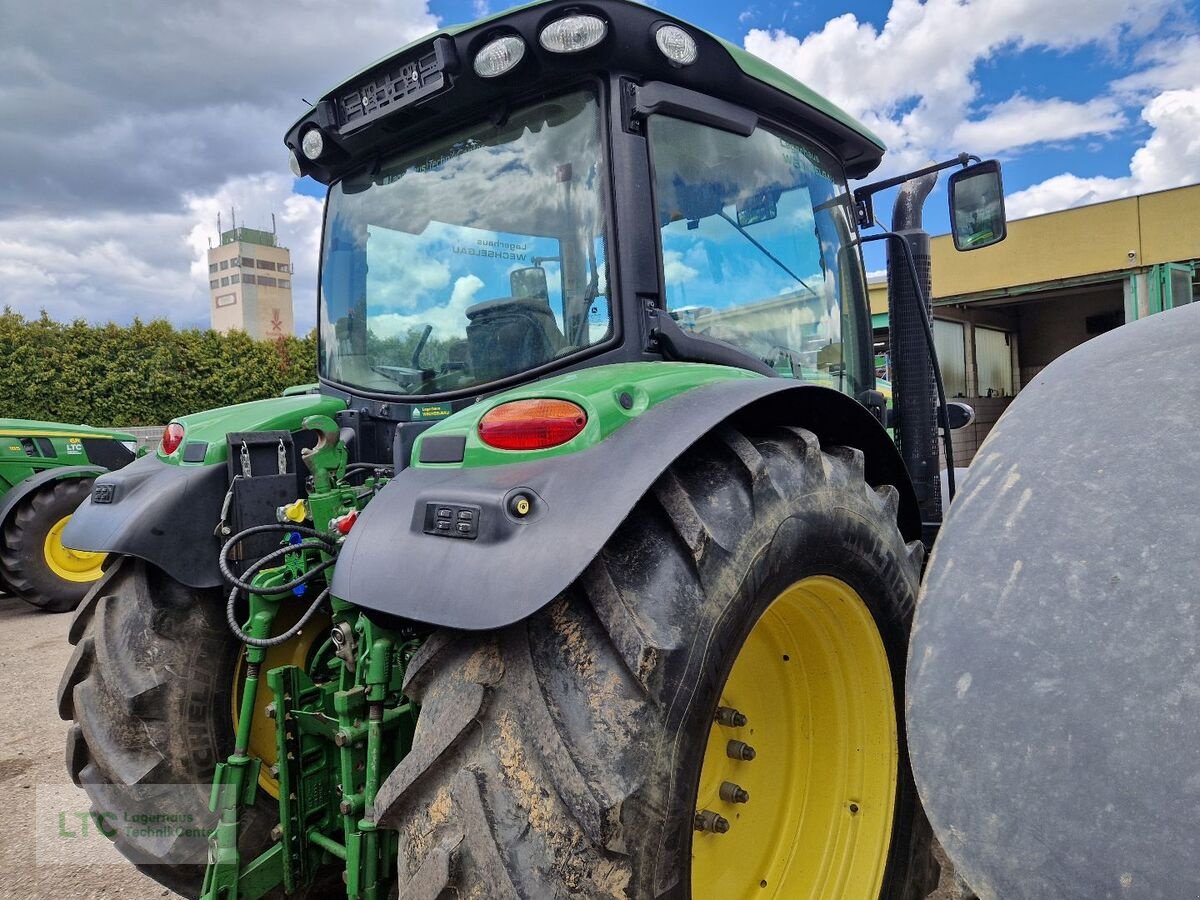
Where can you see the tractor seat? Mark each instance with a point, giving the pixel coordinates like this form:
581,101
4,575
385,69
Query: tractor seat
510,335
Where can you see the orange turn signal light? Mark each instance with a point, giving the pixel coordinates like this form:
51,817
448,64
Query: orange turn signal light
531,424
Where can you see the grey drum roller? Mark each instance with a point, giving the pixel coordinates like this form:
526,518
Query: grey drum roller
1054,669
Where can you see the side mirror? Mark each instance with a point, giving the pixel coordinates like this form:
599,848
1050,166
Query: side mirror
960,414
529,284
977,206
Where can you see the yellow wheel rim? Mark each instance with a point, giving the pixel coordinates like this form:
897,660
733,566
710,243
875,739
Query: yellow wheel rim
295,652
70,565
814,684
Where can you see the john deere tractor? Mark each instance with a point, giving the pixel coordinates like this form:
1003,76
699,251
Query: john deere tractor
588,570
46,471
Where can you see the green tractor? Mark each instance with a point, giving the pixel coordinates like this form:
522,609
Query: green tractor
589,569
46,471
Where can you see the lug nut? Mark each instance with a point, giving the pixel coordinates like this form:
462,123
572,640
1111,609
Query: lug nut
740,750
270,710
341,738
733,793
276,833
707,820
727,715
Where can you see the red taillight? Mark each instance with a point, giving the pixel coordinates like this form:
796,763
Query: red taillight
172,438
531,424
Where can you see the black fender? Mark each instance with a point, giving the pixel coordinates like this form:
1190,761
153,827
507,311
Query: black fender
1053,687
23,489
515,566
162,513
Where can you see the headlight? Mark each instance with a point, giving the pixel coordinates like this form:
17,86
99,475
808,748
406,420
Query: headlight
676,45
572,34
313,143
499,56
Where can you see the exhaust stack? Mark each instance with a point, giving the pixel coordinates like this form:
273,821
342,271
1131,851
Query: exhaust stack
913,390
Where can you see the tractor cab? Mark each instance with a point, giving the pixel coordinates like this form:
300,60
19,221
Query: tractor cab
559,187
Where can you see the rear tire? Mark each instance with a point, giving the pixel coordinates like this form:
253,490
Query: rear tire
148,694
562,756
31,531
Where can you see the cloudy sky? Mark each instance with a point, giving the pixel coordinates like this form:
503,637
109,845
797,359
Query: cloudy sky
128,125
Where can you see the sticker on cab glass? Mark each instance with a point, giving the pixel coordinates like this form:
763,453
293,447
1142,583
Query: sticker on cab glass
439,411
74,445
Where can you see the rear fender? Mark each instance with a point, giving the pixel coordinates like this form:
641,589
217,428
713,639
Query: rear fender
165,508
33,483
515,565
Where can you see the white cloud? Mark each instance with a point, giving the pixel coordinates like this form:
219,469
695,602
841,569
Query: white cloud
128,128
1169,158
675,270
912,80
1170,63
449,321
113,265
1021,122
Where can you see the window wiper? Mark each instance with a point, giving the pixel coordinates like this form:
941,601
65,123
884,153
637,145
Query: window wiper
771,256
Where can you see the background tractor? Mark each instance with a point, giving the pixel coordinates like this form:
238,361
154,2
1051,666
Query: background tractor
589,568
46,471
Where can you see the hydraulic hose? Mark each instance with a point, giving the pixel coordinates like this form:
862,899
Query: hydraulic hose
317,541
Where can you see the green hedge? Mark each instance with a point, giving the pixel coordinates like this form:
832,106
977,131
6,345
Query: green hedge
141,374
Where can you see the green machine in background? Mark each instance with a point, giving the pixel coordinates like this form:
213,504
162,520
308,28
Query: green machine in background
46,471
591,546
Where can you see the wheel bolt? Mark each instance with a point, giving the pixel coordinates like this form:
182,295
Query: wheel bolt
733,793
270,710
727,715
740,750
707,820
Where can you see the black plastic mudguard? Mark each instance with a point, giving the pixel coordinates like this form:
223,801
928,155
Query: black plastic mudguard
1054,670
23,489
164,514
513,566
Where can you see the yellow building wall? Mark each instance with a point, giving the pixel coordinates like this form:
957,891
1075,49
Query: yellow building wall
877,293
1067,244
1074,243
1170,225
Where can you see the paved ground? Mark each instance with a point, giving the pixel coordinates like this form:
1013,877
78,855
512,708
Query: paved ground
42,844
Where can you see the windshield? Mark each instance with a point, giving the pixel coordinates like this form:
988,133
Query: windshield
470,259
758,250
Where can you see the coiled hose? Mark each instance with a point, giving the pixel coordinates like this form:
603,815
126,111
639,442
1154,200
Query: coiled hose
318,541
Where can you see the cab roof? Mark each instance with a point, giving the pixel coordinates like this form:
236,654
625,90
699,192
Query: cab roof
750,81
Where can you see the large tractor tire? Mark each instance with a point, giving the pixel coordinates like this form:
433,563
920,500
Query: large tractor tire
599,749
149,691
37,566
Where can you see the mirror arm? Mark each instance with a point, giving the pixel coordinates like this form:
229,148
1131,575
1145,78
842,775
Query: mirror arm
863,203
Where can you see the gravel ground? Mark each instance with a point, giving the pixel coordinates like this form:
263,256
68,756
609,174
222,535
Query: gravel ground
43,850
